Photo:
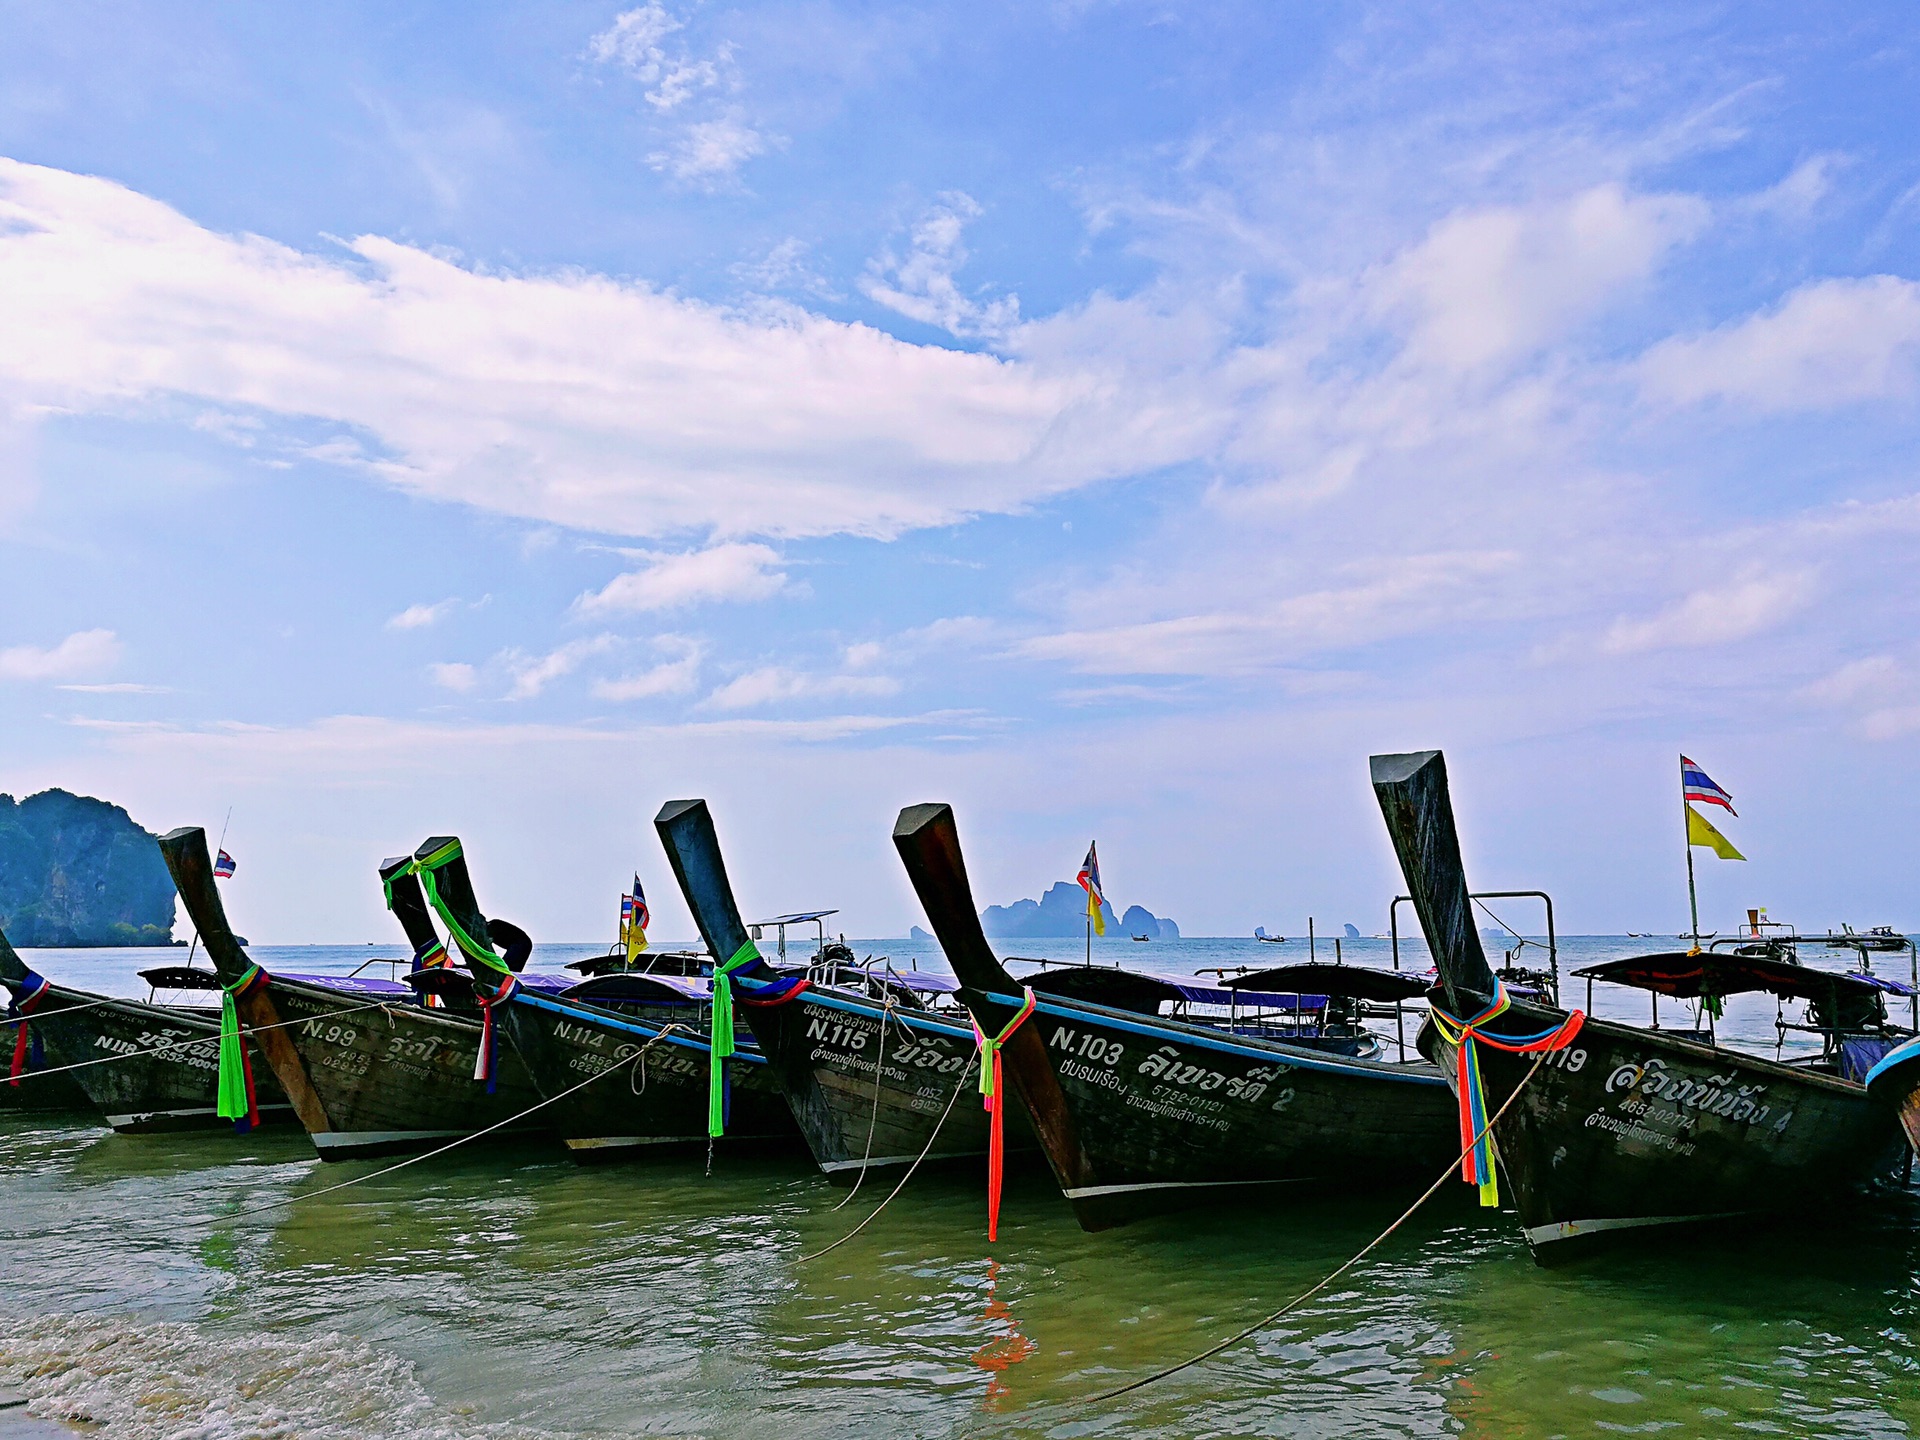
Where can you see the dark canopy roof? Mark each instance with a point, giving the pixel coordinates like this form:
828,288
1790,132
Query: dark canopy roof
1353,981
1131,990
1686,977
180,977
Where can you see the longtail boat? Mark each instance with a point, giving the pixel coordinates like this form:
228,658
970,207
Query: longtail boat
25,1030
1622,1127
1139,1111
869,1058
652,1024
367,1067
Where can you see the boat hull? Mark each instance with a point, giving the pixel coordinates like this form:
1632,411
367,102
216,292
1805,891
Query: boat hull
826,1047
394,1078
1629,1130
662,1099
161,1081
1163,1115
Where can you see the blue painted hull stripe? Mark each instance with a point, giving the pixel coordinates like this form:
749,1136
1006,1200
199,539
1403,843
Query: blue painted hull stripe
595,1017
1097,1015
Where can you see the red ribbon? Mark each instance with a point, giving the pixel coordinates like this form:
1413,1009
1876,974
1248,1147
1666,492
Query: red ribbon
21,1046
485,1066
991,1095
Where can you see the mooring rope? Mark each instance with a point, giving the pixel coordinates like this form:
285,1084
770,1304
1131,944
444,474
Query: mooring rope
873,1120
1306,1295
959,1084
462,1140
39,1015
213,1039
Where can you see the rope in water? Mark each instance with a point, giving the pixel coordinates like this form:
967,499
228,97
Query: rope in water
873,1120
213,1039
959,1084
637,1055
1306,1295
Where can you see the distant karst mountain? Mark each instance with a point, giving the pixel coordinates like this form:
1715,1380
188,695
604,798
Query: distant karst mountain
1063,911
79,871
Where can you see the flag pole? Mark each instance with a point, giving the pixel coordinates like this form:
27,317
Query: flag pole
1686,829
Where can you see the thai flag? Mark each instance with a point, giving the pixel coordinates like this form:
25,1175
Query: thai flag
1698,785
223,867
641,915
1089,878
626,908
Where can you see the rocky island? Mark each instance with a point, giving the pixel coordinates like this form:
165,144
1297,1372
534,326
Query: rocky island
75,871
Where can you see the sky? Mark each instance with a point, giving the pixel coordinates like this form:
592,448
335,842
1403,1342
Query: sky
1118,420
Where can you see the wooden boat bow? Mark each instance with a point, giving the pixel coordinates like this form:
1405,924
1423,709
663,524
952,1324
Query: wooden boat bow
1413,795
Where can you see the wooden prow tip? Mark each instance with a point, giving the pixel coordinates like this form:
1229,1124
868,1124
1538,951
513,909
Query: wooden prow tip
454,885
185,851
929,844
1414,799
409,902
692,844
12,968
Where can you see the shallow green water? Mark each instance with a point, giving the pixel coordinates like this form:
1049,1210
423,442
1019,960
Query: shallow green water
508,1291
512,1286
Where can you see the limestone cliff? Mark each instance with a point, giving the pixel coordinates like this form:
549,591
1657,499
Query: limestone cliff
79,871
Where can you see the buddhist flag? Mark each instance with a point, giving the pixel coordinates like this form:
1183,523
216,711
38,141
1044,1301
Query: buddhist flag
1089,879
1700,832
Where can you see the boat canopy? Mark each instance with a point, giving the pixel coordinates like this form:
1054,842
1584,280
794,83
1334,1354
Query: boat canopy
671,962
632,987
180,977
1131,990
920,982
1687,977
803,917
1355,982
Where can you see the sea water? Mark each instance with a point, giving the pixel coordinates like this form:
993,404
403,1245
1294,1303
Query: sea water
199,1285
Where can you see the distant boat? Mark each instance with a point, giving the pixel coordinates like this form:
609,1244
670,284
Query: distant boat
1260,934
1143,938
1880,937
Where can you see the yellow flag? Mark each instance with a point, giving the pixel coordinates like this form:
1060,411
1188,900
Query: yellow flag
1699,832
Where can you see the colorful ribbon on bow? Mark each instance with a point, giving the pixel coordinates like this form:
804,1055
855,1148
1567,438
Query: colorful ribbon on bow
720,1038
1466,1036
235,1099
480,951
993,1098
486,1065
26,1049
430,956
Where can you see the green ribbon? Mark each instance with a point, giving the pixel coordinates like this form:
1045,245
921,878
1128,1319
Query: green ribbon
720,1036
232,1102
478,950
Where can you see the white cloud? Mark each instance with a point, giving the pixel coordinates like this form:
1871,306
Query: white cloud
720,572
533,673
1400,596
1492,283
670,677
636,42
1831,342
118,687
418,617
921,284
710,149
1757,601
454,675
1867,679
774,683
85,652
569,398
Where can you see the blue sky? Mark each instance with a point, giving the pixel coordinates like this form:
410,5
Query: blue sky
1116,419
